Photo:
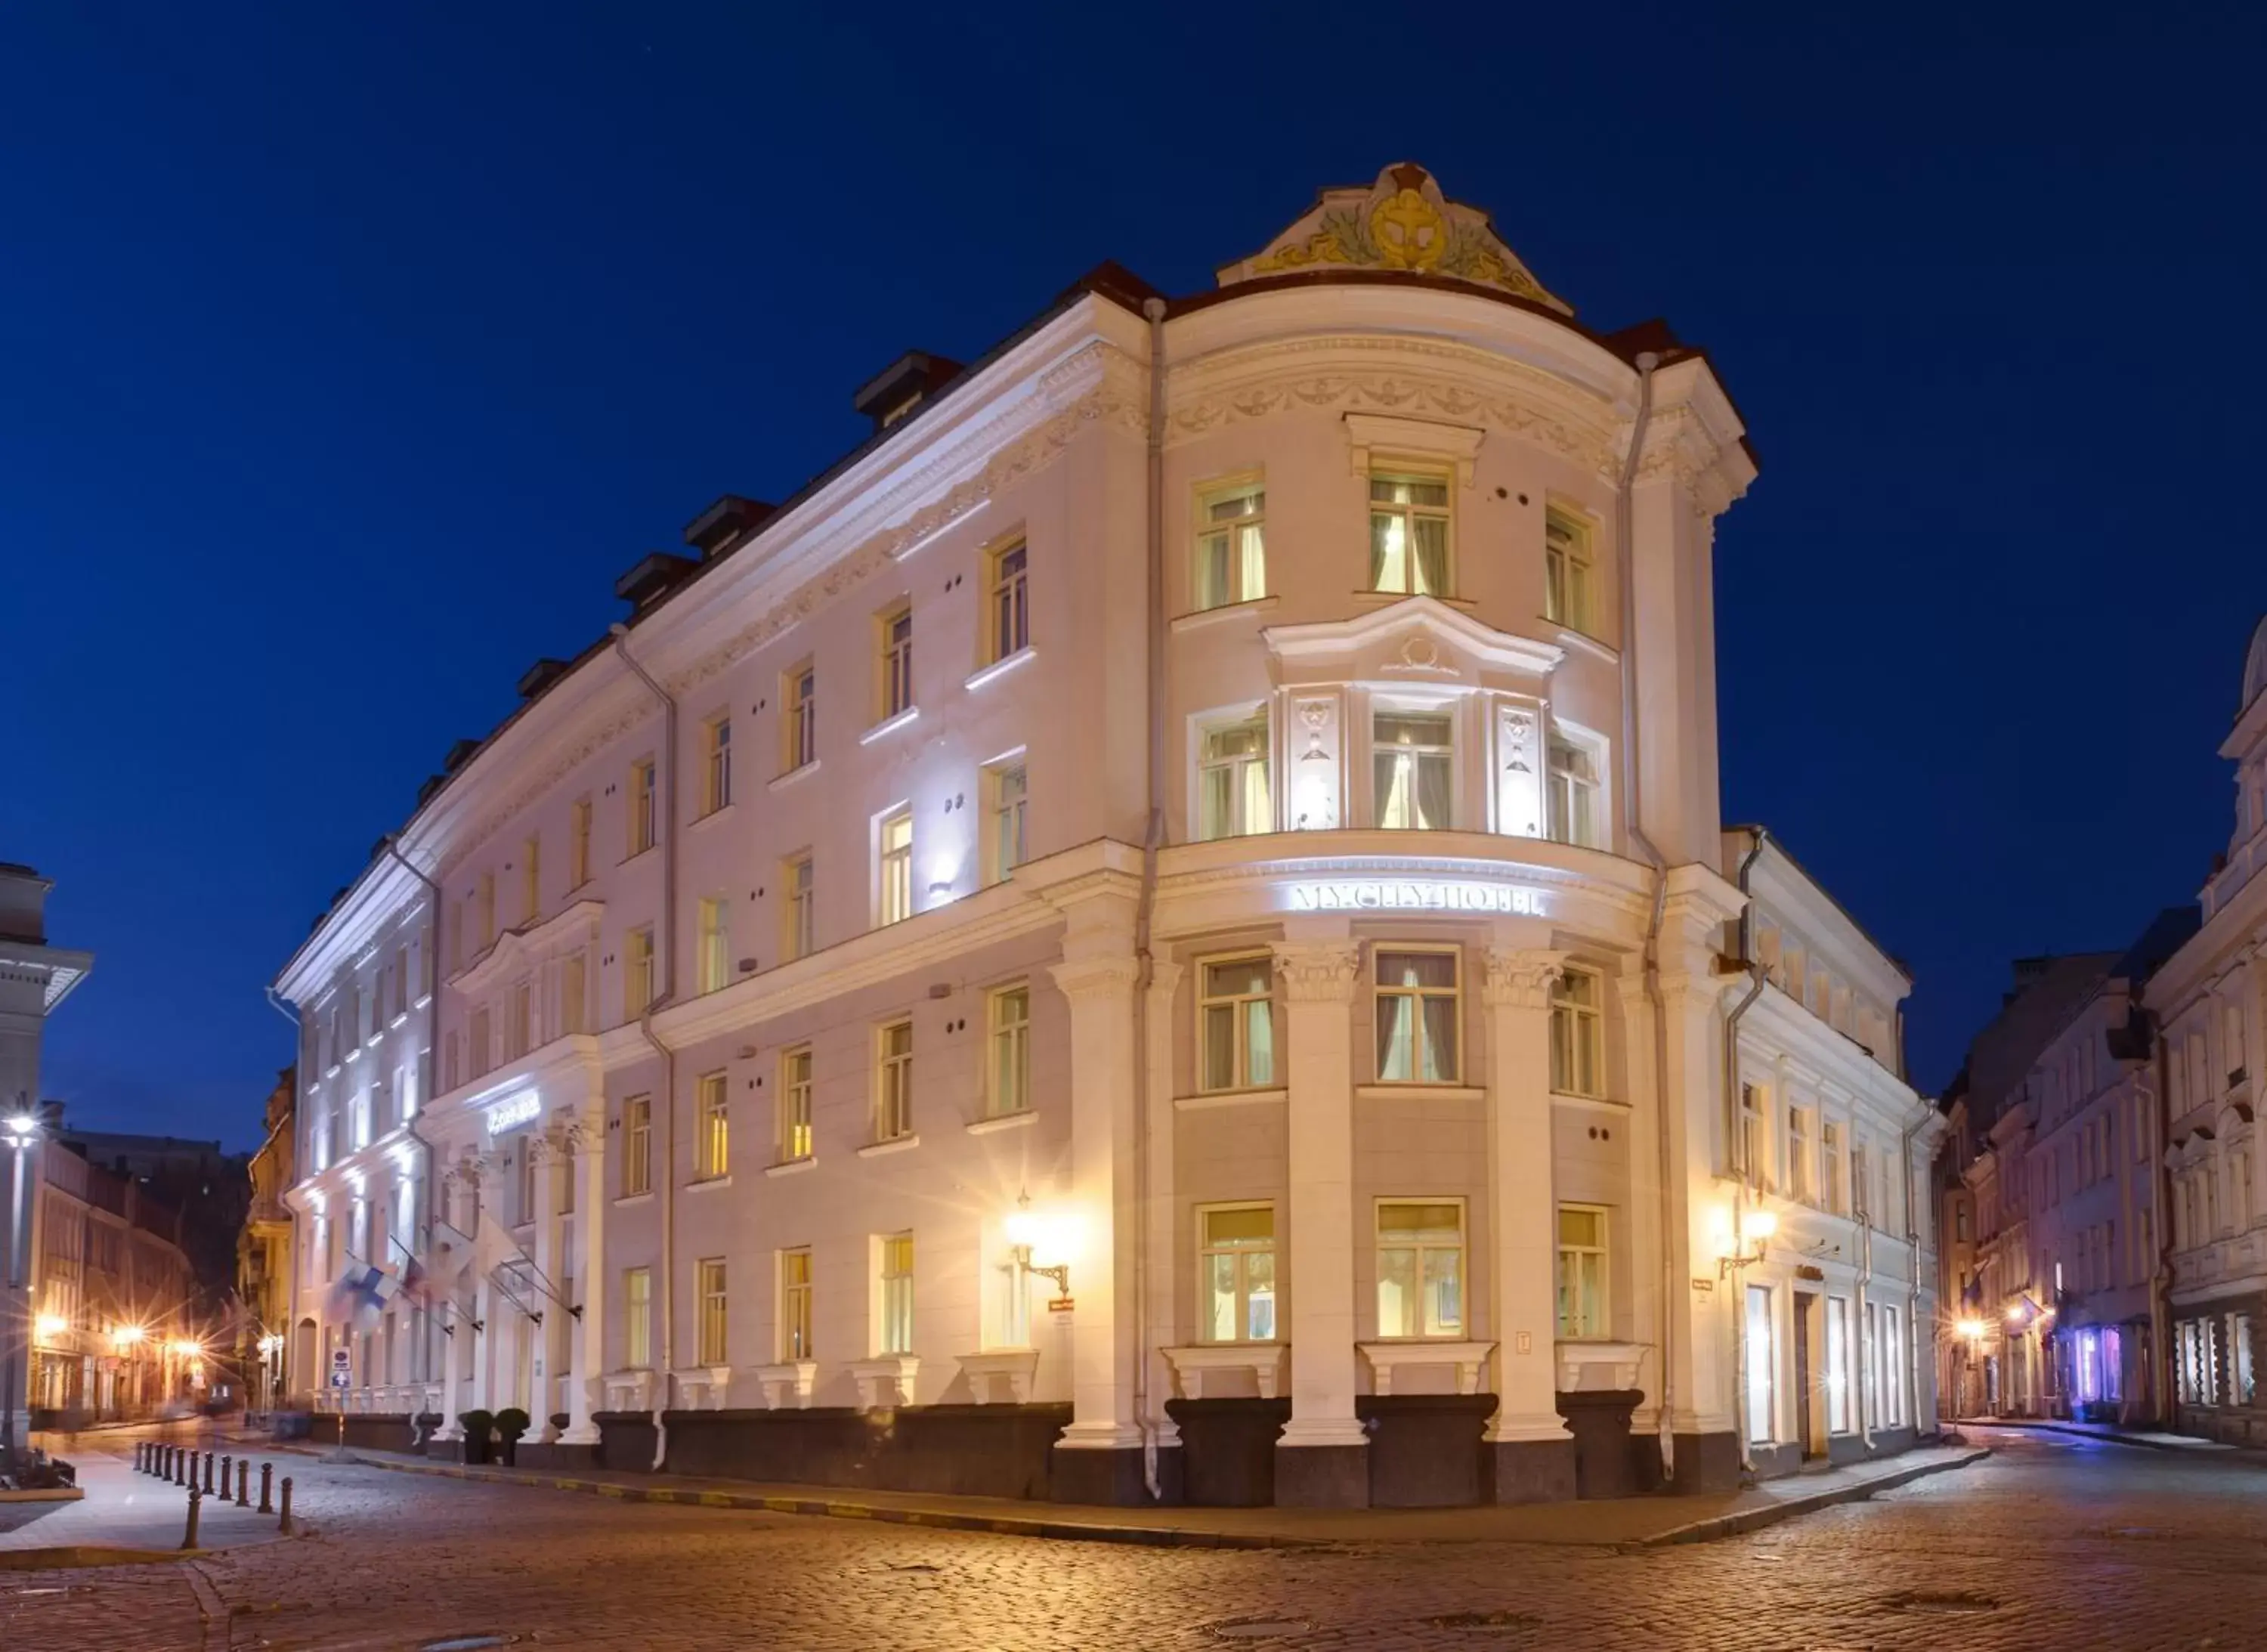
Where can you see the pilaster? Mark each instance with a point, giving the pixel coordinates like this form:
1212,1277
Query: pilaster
584,1138
1159,1228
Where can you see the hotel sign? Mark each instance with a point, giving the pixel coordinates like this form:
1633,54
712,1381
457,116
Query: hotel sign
513,1111
1420,894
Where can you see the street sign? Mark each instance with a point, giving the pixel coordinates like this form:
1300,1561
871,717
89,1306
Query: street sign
341,1376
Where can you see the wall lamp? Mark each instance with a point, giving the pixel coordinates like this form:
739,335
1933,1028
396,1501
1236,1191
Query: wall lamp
1030,1235
1754,1232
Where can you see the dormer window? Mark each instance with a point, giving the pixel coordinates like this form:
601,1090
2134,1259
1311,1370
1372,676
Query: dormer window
1409,540
1413,757
1231,563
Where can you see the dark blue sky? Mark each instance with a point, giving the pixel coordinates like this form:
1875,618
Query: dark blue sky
347,353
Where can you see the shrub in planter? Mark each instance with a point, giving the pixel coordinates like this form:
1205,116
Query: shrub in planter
510,1423
477,1425
559,1422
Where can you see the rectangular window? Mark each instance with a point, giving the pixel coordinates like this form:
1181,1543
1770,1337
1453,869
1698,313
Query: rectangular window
711,1288
1754,1156
1798,1155
524,1168
574,995
795,1104
1007,600
1236,1024
1582,1271
641,835
801,927
1010,792
715,955
799,717
1574,794
1838,1365
2239,1357
1869,1361
483,1060
484,905
1008,1073
1420,1269
897,1283
531,879
1836,1201
712,1138
1578,1033
1761,1357
637,973
894,664
795,1306
1893,1371
1231,563
1413,761
637,1146
1232,781
1566,570
519,1021
637,1317
1236,1273
716,764
893,1082
578,844
894,896
1416,1017
1409,550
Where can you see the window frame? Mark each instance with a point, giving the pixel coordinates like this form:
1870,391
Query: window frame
894,1081
712,1128
798,716
1408,472
797,1141
1230,530
797,1323
716,763
637,964
1393,708
1380,950
1007,823
893,1279
1007,600
1602,1253
643,830
1018,1034
1590,830
1585,1025
637,1318
1379,1205
894,660
712,1312
1572,599
1235,766
1206,1249
578,844
713,959
798,906
893,868
1240,1056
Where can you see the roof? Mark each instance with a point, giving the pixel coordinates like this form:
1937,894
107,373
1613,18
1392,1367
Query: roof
2168,932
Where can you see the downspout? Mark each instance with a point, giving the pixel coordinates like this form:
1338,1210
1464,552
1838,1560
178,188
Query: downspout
1863,1207
1152,837
666,950
1912,1271
426,1073
1739,1137
299,1094
1626,569
2161,1195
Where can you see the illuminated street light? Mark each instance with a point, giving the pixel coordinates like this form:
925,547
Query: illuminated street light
50,1324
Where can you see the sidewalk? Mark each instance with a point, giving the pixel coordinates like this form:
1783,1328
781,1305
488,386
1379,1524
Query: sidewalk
124,1516
1638,1521
2109,1431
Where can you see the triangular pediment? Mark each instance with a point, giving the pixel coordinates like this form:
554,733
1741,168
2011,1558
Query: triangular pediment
1400,224
1416,640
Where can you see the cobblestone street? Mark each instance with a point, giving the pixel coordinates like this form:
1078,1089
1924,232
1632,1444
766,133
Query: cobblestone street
2054,1543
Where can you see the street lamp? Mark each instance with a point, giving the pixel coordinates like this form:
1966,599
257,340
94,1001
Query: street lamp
1032,1235
21,1129
1752,1232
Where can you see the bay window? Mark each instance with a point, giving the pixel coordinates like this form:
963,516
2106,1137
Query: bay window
1412,760
1573,793
1232,781
1409,540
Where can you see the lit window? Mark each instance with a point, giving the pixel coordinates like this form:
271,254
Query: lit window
1010,795
717,765
1236,1273
799,717
1761,1352
1420,1269
1231,563
1838,1365
637,973
637,1146
1566,570
795,1306
1232,782
1893,1376
711,1287
1798,1155
1755,1158
893,1082
716,956
712,1138
1582,1270
637,1313
1416,1017
1008,1071
1409,535
641,806
578,844
897,1329
1412,757
1236,1024
1573,800
801,909
895,666
795,1104
895,897
1577,1034
1009,630
1836,1199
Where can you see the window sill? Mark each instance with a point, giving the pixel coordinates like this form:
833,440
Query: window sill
1227,1098
999,667
635,854
1389,1092
895,1144
1383,596
889,725
629,1200
1583,642
719,813
790,1167
1198,619
702,1184
1000,1122
1573,1098
400,1016
781,783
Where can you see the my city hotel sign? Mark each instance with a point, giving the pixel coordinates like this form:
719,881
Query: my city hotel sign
1417,895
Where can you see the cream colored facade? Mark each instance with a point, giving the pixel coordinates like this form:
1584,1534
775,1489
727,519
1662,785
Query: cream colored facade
1258,955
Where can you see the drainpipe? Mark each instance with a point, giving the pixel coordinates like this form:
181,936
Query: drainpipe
1865,1295
667,950
1912,1271
1626,559
1756,979
1153,838
2161,1195
299,1094
425,1075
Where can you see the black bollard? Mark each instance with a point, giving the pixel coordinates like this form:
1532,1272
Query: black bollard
208,1473
137,1458
227,1462
196,1501
173,1464
267,1476
285,1525
189,1467
243,1482
164,1461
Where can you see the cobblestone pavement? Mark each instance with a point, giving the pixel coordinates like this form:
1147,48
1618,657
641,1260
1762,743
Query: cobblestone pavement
2056,1543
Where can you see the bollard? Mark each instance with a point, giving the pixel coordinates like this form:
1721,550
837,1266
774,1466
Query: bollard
189,1468
227,1462
173,1464
160,1464
266,1475
208,1473
138,1451
285,1525
243,1482
189,1537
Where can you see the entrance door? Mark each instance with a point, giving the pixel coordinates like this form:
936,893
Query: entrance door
1811,1424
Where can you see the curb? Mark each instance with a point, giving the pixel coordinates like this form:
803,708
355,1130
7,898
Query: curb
72,1555
2049,1426
1755,1519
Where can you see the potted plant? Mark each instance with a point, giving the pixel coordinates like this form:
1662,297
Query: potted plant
559,1422
477,1425
510,1423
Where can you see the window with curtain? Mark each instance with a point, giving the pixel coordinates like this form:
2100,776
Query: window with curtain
896,1284
1567,569
1236,1024
637,1317
1416,1017
1574,799
1420,1269
794,1341
1582,1271
712,1343
716,954
896,894
1232,790
1412,758
1232,564
1409,550
893,1082
1008,1072
795,1104
637,1146
1236,1273
712,1139
1578,1033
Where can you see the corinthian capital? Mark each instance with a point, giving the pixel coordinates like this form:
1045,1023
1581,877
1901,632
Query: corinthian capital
1096,977
1317,972
1520,977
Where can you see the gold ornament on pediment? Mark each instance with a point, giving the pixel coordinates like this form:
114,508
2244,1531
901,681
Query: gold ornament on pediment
1408,232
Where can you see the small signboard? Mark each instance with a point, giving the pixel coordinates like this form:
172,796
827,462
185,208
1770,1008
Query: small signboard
341,1374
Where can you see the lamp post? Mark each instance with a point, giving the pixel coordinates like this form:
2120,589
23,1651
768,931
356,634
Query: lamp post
22,1131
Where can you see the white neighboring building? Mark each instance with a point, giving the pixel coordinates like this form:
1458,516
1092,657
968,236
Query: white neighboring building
1155,933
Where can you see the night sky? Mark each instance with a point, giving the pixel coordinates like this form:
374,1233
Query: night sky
347,353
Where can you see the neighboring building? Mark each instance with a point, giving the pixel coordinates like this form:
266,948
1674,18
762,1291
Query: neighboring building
265,1274
2209,1002
815,1035
205,1185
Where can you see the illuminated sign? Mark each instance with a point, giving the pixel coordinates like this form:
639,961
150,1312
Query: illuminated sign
1416,895
513,1111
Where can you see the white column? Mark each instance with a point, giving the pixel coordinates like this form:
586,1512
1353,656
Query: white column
551,1168
586,1141
1322,1457
460,1347
1532,1450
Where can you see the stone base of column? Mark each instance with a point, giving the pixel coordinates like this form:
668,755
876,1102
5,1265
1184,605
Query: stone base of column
1322,1476
1528,1471
1705,1462
1113,1477
579,1434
